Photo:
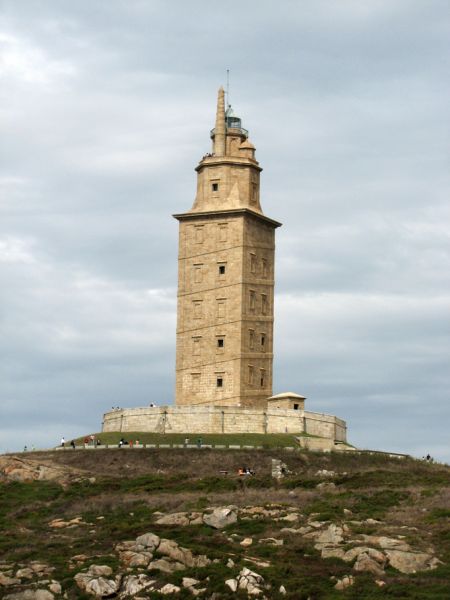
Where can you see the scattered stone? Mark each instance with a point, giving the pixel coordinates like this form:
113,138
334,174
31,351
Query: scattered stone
372,522
183,555
325,473
179,519
250,581
221,517
166,565
330,552
100,570
25,573
290,530
271,541
380,582
326,485
149,541
94,581
232,584
133,584
30,595
135,559
290,518
55,587
282,590
386,542
365,563
345,582
6,580
188,582
410,562
40,567
230,563
262,564
246,542
169,588
316,524
279,469
330,536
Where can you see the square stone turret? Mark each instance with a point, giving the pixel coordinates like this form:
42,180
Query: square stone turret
226,278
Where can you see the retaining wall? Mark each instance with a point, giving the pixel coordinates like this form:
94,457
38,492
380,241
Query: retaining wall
217,419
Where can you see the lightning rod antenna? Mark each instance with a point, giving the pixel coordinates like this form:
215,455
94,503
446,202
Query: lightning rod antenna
228,87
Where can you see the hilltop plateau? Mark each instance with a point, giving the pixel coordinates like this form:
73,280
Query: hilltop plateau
181,523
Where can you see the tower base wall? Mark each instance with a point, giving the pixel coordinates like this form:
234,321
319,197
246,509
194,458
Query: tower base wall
224,419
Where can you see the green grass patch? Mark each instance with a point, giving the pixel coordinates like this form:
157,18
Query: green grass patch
271,440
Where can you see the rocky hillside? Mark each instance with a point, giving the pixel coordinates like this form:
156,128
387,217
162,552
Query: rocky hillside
182,523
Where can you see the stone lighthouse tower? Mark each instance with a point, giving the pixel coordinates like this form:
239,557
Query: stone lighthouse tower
226,278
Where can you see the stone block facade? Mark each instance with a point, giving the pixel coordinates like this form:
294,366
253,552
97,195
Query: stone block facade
225,419
226,258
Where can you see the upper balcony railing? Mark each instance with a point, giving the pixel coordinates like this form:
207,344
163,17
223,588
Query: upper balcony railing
238,130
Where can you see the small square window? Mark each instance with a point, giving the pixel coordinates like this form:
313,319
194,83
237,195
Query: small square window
220,342
215,187
296,406
219,382
221,269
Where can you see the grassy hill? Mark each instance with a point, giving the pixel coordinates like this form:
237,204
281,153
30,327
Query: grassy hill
106,497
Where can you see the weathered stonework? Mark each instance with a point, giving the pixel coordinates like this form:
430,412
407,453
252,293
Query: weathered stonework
226,279
225,419
225,311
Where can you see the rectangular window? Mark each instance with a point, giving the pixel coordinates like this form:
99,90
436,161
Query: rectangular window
198,309
196,346
296,406
265,270
221,308
262,377
198,229
214,186
219,382
223,232
254,193
195,382
251,375
263,341
222,269
253,263
251,339
252,300
264,304
198,273
220,342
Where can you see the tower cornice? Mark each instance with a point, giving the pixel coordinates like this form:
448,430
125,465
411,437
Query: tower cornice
224,213
213,161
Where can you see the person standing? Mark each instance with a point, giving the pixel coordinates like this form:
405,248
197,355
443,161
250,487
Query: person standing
63,442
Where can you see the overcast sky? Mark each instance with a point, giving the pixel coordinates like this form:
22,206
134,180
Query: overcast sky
106,108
